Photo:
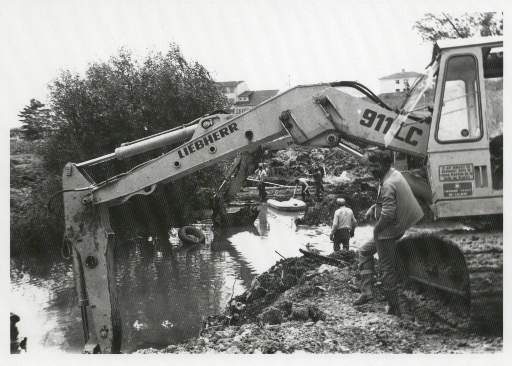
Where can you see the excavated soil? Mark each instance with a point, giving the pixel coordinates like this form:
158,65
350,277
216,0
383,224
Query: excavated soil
302,305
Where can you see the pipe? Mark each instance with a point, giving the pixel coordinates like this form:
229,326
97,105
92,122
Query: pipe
350,150
269,183
176,135
171,137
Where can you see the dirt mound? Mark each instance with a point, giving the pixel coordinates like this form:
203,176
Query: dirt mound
287,165
316,316
359,196
256,304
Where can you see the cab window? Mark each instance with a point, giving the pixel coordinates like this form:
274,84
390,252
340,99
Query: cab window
493,83
460,115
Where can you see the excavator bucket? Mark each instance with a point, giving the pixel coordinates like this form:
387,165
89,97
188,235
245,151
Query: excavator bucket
434,262
465,264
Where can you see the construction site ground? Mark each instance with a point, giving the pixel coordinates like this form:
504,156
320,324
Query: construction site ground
316,315
305,304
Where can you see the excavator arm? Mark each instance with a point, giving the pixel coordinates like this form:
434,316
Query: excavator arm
314,115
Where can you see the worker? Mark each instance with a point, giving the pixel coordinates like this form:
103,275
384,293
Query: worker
303,183
343,225
317,173
396,211
261,175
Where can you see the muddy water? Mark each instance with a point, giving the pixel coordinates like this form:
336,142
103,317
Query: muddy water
164,292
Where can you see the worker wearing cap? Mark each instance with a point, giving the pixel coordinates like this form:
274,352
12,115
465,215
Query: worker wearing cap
396,211
343,225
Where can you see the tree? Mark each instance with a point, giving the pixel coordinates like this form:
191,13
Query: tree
115,101
122,100
36,120
433,27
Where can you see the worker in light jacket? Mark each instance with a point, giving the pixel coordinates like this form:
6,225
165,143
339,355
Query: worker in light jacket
343,226
303,183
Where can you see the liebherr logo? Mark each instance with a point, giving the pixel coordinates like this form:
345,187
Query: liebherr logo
207,140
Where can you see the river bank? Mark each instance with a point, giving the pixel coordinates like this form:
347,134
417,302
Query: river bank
316,315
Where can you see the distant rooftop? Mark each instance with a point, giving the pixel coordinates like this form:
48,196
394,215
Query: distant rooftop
402,75
255,97
229,84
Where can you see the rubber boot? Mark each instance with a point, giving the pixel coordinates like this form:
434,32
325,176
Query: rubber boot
366,290
393,303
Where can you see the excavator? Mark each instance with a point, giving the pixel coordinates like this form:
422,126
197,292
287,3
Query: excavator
451,121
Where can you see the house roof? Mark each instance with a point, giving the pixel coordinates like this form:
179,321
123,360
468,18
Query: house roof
402,75
255,97
228,83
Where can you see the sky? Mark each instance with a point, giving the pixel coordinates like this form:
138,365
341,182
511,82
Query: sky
270,44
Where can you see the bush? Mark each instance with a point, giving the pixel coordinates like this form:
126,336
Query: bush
114,102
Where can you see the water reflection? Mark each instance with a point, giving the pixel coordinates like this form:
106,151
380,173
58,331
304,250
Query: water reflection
262,222
164,292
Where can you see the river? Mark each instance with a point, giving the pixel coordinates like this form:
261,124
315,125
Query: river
165,292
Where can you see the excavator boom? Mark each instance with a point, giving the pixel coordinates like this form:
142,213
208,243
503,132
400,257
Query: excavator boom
315,115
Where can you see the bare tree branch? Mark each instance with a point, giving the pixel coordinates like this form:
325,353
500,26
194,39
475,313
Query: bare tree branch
453,25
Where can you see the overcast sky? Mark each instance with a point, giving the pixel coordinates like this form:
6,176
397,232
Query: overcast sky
269,44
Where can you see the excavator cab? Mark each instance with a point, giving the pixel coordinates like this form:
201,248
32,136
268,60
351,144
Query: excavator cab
461,96
465,150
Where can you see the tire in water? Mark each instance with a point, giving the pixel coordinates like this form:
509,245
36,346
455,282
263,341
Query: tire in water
191,235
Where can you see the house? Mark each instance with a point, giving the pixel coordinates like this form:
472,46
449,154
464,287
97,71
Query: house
251,98
231,89
398,82
241,98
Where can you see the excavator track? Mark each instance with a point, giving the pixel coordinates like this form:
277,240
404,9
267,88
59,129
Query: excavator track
466,266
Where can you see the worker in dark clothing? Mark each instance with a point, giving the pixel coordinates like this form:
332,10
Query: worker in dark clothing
318,174
396,211
343,225
17,346
261,175
303,183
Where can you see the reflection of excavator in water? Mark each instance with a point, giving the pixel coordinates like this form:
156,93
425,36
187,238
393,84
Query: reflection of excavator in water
451,121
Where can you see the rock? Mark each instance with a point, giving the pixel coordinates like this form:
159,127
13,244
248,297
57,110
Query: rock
271,315
300,312
233,349
285,306
315,313
256,291
226,333
326,268
171,348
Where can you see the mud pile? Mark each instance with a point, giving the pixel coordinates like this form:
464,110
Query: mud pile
315,315
344,177
359,196
287,165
